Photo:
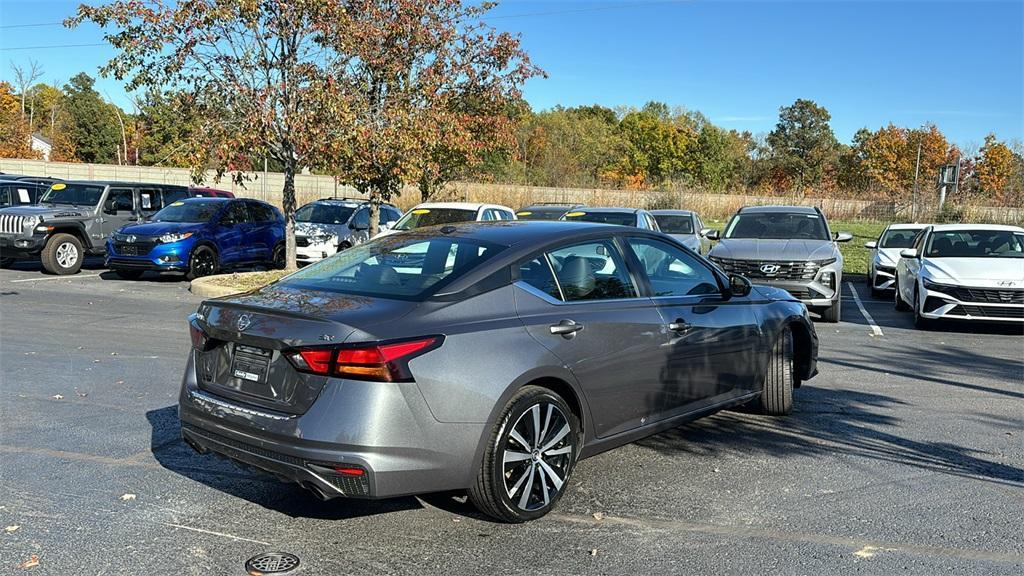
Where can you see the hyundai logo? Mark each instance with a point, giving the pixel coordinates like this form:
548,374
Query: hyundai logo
244,321
770,269
1006,283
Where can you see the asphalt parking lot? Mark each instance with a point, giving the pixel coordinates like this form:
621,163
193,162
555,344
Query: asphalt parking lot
906,454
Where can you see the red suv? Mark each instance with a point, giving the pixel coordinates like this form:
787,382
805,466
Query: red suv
210,193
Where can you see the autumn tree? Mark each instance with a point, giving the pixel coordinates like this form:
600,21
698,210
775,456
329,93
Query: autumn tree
255,72
802,144
15,138
408,70
995,168
890,158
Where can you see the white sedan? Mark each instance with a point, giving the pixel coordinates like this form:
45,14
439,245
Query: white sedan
434,213
885,253
963,272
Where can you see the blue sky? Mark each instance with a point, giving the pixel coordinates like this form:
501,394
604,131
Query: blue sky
957,64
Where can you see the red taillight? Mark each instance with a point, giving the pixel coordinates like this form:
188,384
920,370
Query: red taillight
387,362
198,336
350,471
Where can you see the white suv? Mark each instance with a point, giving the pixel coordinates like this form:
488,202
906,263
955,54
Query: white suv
324,227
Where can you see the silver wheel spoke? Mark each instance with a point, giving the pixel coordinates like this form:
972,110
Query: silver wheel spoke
524,500
559,451
561,434
515,487
544,486
555,479
516,456
535,413
547,424
519,438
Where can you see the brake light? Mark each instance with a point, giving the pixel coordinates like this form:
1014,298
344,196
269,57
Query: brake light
382,362
198,336
350,471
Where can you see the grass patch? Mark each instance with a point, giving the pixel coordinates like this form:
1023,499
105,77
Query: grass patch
855,255
246,281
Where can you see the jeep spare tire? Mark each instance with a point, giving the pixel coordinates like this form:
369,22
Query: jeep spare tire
63,255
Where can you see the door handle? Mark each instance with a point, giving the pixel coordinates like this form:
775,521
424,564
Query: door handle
679,325
566,329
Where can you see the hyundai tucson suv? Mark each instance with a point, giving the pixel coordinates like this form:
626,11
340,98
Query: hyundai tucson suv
199,237
964,272
790,247
475,356
329,225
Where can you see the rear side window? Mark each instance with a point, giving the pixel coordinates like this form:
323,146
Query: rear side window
394,267
362,219
235,214
591,271
149,200
172,195
261,212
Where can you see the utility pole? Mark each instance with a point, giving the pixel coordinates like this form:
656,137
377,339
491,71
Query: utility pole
917,171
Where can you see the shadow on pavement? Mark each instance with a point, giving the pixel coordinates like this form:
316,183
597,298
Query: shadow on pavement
265,490
830,422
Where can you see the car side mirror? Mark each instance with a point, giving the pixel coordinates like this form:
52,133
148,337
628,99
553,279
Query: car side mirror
843,236
704,232
872,245
908,253
109,207
712,235
739,285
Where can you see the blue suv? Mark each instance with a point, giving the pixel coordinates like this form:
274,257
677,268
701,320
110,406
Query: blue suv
200,236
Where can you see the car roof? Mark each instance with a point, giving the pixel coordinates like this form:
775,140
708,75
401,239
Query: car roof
551,207
955,227
611,210
906,226
512,232
461,205
672,212
198,199
778,209
119,183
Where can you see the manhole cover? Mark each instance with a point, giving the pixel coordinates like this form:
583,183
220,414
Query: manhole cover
271,563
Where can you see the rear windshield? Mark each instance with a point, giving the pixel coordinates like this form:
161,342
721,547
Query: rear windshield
899,238
324,214
73,194
541,213
675,223
194,211
976,244
420,217
618,218
777,226
402,267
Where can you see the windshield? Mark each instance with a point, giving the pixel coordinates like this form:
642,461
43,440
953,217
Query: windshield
541,213
74,194
777,226
617,218
195,211
420,217
976,244
406,268
903,238
324,214
674,223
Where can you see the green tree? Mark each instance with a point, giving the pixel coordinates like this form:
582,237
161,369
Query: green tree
93,127
717,158
802,143
656,145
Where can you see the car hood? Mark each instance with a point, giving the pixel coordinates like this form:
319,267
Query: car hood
314,229
160,228
760,249
979,272
48,211
773,293
689,240
889,256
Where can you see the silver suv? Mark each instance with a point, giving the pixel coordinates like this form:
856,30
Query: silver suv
326,226
790,247
73,219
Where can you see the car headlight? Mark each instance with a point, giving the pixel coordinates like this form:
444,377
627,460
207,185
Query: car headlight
174,237
825,262
935,286
31,221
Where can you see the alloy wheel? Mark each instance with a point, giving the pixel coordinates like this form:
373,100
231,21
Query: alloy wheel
537,456
67,255
203,263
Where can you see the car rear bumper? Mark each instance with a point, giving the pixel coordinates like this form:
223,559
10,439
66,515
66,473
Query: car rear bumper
384,429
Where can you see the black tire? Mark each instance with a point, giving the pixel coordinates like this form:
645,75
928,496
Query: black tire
833,312
777,391
900,305
279,259
877,294
63,255
6,262
202,262
533,477
920,322
129,274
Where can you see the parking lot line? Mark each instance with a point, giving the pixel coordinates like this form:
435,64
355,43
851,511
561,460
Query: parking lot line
57,278
875,330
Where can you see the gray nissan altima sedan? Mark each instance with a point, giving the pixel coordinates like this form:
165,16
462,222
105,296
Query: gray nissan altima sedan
487,357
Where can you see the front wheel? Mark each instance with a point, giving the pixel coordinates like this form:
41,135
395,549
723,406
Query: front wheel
900,305
920,322
202,262
529,457
777,391
63,255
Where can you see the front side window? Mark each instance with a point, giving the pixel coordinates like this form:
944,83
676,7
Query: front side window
539,274
73,194
420,217
121,199
777,226
671,271
674,223
976,244
591,271
362,219
394,267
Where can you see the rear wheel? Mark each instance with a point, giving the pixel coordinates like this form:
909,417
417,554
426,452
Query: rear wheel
202,262
279,259
529,457
128,274
63,255
777,391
